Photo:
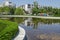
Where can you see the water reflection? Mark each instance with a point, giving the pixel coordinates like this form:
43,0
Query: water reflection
43,29
37,21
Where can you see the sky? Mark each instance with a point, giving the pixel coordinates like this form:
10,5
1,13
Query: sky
53,3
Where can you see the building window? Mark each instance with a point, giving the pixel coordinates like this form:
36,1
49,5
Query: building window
29,6
10,2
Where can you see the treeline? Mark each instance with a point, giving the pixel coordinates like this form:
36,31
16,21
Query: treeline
48,10
11,11
19,11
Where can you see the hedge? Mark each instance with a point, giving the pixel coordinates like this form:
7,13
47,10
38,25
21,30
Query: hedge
8,30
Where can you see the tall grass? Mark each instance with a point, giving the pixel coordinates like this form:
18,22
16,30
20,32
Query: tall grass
8,30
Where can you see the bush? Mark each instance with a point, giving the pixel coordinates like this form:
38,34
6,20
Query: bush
8,30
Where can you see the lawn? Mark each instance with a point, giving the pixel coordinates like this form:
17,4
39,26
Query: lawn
8,30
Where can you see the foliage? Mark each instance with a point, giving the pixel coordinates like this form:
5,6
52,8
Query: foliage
7,30
1,9
19,11
7,10
48,10
35,11
56,12
18,20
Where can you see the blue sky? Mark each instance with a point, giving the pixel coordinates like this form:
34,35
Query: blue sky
53,3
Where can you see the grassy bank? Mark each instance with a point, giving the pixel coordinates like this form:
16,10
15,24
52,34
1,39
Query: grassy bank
8,30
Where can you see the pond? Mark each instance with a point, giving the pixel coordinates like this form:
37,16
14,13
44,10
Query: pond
43,31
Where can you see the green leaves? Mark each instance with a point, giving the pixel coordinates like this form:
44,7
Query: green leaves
35,11
7,10
8,31
19,11
1,9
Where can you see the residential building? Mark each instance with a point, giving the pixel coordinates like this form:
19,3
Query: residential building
28,7
7,3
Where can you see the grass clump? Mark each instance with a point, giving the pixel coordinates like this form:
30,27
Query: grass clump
8,30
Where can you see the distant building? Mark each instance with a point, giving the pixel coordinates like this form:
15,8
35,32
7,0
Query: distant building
7,3
28,7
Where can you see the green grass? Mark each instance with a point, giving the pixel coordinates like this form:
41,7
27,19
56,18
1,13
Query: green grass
8,30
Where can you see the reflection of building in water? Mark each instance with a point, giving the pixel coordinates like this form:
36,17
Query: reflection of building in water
28,22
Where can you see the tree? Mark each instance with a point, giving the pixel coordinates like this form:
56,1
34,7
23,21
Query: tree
56,12
19,11
35,11
43,10
9,10
1,9
6,9
12,10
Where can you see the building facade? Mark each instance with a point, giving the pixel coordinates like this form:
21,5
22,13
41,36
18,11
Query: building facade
7,3
28,7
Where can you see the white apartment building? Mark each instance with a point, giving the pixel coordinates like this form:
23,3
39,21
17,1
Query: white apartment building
7,3
28,7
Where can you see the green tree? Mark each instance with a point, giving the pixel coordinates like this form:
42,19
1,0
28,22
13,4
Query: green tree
56,12
49,9
43,10
19,11
9,10
12,10
35,11
6,9
1,9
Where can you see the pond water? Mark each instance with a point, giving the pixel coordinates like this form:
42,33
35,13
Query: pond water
43,31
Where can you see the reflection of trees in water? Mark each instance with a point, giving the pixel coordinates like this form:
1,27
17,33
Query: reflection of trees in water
35,26
44,21
35,21
18,20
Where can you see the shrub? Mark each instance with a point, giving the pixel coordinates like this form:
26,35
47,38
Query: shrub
8,30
